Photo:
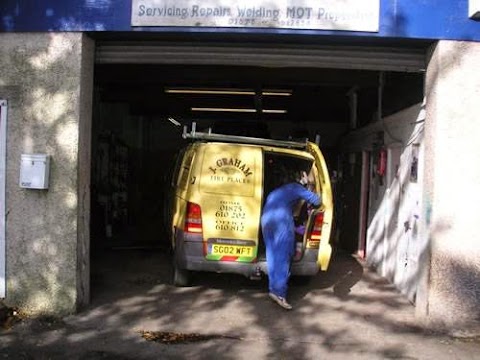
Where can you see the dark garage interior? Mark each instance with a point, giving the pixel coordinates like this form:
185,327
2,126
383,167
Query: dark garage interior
140,111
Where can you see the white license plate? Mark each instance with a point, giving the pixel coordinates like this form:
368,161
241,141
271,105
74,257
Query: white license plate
231,250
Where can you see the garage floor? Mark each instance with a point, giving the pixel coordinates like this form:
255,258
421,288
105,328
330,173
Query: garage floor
349,312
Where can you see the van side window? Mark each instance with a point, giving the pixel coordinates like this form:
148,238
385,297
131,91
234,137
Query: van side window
184,170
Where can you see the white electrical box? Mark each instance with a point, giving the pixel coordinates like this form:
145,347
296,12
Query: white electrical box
34,171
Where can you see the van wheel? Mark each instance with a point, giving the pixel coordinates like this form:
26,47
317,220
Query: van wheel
181,277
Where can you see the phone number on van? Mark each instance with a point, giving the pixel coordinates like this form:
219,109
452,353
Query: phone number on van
231,250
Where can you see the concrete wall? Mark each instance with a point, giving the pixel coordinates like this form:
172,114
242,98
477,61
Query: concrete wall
47,79
451,293
393,239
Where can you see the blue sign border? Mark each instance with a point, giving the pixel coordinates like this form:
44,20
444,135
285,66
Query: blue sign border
407,19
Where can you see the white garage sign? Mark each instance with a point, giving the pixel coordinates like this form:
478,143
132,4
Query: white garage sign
347,15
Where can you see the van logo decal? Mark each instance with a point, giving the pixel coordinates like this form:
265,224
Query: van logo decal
231,165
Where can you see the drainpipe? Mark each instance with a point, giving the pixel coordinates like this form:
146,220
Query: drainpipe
381,83
353,104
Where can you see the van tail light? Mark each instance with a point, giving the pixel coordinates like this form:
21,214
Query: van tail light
313,239
193,220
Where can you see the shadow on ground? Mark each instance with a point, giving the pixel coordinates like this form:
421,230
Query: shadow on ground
345,312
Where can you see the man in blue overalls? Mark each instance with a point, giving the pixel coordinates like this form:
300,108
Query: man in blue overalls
278,229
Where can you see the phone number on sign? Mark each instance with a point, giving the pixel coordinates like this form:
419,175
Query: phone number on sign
241,21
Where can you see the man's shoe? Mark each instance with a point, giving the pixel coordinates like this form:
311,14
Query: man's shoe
280,301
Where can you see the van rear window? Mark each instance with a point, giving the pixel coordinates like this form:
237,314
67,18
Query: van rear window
281,168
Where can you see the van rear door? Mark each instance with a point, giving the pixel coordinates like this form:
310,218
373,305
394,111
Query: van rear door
325,249
230,191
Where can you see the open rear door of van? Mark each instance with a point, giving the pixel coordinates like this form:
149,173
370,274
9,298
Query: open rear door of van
230,192
325,249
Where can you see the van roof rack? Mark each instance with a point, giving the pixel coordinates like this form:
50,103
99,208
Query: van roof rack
196,135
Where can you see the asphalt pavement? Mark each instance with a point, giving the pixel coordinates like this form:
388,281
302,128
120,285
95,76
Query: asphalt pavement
347,313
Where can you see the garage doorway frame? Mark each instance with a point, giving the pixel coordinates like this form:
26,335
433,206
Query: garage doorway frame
359,57
363,214
3,156
407,58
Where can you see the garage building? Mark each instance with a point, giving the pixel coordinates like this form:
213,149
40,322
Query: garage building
100,93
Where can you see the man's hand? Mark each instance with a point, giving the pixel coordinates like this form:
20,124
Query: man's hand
300,230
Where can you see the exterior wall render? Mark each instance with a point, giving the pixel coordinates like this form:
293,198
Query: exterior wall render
394,242
452,186
47,77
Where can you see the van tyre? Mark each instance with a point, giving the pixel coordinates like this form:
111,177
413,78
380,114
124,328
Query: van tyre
181,277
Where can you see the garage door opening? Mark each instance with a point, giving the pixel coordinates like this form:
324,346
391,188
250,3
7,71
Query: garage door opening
140,110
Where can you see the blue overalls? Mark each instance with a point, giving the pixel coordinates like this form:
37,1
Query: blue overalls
278,232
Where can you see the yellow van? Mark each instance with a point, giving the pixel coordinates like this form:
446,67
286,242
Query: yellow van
219,185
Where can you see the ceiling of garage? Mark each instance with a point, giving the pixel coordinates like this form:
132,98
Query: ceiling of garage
267,83
291,94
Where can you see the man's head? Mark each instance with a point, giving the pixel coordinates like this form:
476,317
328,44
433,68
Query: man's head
303,178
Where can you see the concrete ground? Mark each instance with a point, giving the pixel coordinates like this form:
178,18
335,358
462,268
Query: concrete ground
349,312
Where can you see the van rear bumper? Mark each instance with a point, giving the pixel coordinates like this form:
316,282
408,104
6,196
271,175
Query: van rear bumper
307,266
189,255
